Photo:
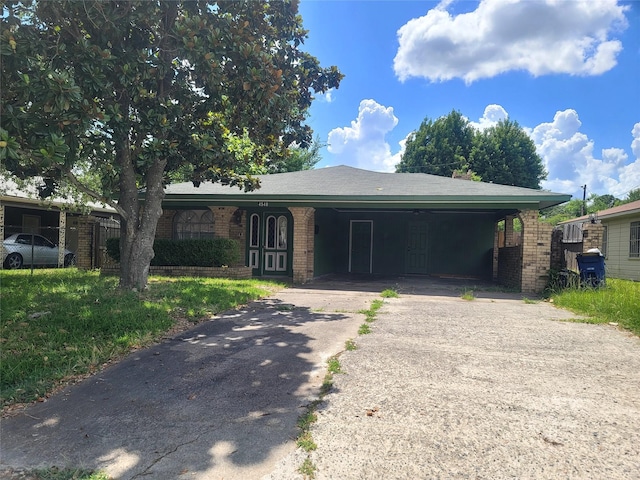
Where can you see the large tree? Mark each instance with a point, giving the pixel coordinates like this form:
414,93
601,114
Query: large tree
502,154
506,155
438,147
135,91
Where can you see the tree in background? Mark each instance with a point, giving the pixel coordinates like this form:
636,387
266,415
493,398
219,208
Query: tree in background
502,154
135,91
439,147
299,158
632,196
506,155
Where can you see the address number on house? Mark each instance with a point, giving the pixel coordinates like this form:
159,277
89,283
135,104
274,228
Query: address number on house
263,204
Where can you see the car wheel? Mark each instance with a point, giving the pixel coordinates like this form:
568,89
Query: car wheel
69,260
13,260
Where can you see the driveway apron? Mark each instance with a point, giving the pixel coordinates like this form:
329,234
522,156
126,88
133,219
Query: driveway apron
219,401
492,388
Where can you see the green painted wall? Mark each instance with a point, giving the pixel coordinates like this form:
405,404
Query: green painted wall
457,244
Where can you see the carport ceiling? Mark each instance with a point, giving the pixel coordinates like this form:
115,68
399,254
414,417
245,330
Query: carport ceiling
352,188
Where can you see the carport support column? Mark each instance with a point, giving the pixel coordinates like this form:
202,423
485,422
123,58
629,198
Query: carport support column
221,218
303,243
62,237
536,252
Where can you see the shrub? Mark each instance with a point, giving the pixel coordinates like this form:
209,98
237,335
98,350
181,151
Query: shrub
189,253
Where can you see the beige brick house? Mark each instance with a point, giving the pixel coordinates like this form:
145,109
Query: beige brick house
341,219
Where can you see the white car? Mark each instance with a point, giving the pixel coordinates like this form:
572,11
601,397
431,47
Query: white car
19,247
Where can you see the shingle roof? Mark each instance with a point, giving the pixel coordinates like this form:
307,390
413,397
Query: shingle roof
348,184
626,209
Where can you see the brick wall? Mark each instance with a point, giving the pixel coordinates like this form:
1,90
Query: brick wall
176,271
237,231
303,243
525,266
509,266
86,225
536,251
557,251
165,225
592,236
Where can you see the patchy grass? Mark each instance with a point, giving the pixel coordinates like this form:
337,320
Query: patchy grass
364,329
350,345
616,303
468,295
305,438
55,473
61,324
529,301
308,469
389,293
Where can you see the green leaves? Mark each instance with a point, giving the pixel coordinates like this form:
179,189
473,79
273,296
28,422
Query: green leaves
502,154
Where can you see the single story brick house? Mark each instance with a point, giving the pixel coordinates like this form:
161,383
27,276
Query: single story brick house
620,242
341,219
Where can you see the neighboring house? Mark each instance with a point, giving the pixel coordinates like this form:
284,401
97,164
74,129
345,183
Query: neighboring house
346,220
21,211
620,239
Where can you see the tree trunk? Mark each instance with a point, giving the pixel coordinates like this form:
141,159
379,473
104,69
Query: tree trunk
139,219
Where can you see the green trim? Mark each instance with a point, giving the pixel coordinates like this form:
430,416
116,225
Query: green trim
437,203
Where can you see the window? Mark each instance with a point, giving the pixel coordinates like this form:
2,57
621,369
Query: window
254,228
193,224
634,240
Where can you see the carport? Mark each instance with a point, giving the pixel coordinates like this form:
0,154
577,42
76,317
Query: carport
347,220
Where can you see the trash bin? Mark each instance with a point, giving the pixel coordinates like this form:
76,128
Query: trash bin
591,267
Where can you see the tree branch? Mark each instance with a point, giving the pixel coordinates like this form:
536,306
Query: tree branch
69,175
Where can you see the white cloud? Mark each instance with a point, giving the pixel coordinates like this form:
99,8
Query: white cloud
326,96
492,115
541,37
568,155
363,144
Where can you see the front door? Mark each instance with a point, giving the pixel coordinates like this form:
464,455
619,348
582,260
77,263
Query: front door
361,246
269,243
417,252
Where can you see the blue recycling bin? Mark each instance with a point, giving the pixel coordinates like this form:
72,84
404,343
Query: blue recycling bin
591,267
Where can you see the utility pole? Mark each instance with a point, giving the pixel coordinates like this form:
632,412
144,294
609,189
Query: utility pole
583,207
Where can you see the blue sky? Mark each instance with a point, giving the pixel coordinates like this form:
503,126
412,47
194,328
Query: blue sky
567,71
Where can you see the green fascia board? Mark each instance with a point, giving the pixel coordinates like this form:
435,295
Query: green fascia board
423,202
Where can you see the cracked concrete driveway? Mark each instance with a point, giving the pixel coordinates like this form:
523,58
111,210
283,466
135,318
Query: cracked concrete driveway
219,401
492,388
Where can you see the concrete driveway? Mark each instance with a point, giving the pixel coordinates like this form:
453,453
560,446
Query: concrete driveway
442,388
492,388
220,401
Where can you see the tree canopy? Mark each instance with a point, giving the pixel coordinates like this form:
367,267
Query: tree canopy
135,91
502,154
439,146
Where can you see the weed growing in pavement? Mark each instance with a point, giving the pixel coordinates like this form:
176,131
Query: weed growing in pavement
389,293
305,439
308,469
468,295
350,345
364,329
334,365
529,301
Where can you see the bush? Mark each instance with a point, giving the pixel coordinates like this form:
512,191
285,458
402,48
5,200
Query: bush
189,253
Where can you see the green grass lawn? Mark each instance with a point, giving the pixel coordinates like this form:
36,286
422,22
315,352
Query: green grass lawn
618,302
61,324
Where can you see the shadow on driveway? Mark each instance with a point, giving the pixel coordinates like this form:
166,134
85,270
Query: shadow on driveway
218,401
